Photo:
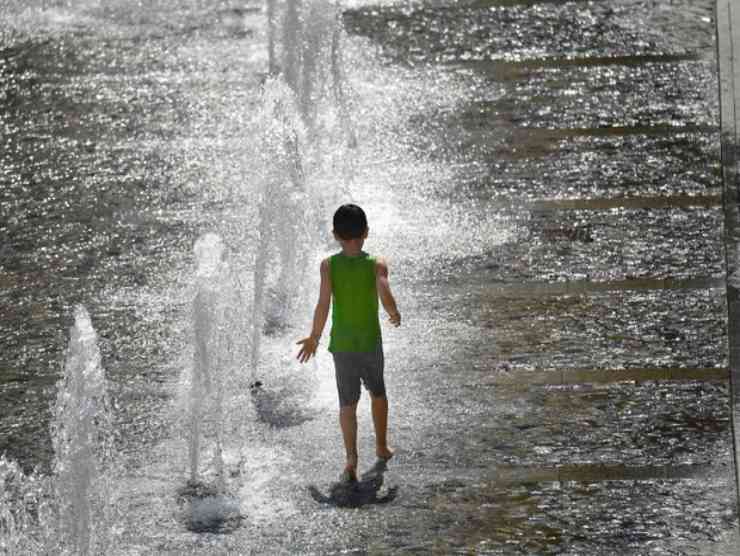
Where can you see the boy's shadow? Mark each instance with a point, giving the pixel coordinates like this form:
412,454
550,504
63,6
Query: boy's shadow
360,493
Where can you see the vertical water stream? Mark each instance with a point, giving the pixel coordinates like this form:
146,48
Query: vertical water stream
82,437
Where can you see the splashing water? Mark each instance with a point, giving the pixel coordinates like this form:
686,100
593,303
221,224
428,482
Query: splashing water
82,437
305,136
271,25
70,512
24,510
312,65
215,340
310,32
284,212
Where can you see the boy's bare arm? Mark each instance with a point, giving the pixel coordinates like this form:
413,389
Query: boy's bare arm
320,314
384,292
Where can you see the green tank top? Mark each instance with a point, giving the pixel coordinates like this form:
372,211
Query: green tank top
354,318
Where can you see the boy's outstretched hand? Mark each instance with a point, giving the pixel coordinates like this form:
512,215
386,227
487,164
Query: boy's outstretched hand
310,345
395,318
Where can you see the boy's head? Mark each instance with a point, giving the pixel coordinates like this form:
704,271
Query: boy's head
350,222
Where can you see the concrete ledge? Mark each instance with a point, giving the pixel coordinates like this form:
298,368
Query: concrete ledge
582,287
551,135
538,141
503,70
484,4
674,201
588,472
567,377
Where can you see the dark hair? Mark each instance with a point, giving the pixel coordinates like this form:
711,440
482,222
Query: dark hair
350,222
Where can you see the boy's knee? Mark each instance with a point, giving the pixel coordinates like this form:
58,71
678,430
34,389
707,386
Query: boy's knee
349,397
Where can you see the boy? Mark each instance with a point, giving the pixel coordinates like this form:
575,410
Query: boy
354,280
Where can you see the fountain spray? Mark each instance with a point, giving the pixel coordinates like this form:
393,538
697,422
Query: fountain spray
283,212
214,314
81,434
303,133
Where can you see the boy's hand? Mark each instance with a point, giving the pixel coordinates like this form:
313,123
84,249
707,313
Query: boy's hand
395,318
310,345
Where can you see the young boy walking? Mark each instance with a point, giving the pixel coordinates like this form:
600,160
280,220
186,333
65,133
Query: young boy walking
354,280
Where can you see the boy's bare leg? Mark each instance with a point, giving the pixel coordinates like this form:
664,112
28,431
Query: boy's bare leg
379,407
348,422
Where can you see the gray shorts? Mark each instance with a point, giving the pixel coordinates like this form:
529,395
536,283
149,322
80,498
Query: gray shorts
354,367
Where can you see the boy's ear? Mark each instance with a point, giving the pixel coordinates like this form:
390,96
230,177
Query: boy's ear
364,235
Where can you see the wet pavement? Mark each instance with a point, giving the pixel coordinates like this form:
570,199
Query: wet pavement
545,179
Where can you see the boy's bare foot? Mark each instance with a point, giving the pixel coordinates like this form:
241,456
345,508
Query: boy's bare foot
384,453
349,475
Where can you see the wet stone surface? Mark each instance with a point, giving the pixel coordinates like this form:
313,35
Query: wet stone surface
608,330
608,166
603,96
585,101
612,512
607,244
649,424
446,33
601,245
612,331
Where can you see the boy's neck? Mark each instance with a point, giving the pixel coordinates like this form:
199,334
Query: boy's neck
352,253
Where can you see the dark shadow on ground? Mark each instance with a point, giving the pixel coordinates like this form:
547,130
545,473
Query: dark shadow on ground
277,407
206,510
355,494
